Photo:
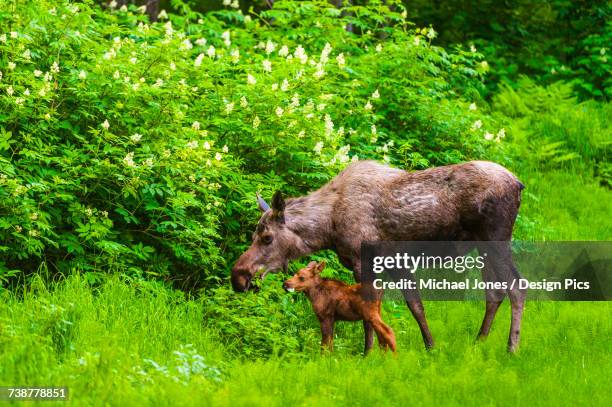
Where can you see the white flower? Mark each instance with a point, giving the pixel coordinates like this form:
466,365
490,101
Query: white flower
162,15
295,100
229,107
318,147
329,125
301,54
373,129
285,85
368,106
123,8
279,111
136,137
235,54
235,4
211,51
218,156
55,67
3,38
19,101
226,38
472,48
128,160
484,65
82,74
431,34
325,53
488,136
378,47
270,47
133,60
172,66
198,60
201,42
186,45
501,133
417,40
376,95
340,60
244,102
37,73
14,34
320,72
26,92
27,54
142,9
206,145
225,149
251,79
256,122
12,65
267,65
274,86
473,107
149,162
284,51
193,144
195,125
106,125
477,125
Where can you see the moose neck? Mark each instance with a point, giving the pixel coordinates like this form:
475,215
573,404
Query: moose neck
310,218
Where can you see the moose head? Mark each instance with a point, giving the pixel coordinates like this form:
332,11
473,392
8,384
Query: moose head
275,242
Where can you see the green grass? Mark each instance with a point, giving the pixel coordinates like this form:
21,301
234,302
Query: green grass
115,344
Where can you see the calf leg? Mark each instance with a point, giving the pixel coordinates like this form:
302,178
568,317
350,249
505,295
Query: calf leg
327,334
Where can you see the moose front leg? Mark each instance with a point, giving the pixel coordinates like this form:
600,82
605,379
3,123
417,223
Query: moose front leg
368,331
327,334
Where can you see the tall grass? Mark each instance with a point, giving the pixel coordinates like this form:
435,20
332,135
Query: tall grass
134,343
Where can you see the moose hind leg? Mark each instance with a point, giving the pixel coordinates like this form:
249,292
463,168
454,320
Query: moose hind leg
494,299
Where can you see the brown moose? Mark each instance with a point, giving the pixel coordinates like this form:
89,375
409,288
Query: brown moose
334,300
477,201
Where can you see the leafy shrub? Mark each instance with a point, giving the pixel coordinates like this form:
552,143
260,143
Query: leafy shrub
138,147
263,324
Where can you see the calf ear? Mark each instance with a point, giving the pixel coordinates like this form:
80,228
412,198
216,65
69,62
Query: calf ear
278,206
320,267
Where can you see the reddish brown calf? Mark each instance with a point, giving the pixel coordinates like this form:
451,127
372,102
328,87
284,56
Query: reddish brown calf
333,300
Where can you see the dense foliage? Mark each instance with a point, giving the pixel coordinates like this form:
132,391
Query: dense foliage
138,147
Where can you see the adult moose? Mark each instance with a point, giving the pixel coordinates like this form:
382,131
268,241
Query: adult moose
368,201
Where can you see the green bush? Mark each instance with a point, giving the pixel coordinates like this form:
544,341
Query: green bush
138,147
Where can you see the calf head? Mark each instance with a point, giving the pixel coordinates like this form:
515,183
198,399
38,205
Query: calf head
274,244
308,277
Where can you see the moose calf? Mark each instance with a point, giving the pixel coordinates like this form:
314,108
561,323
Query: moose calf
334,300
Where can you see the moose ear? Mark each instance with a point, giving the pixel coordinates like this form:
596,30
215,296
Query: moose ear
263,205
320,267
278,206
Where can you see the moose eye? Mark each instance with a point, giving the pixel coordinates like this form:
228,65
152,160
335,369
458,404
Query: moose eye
302,278
267,239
